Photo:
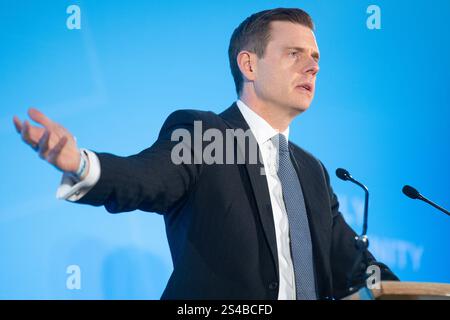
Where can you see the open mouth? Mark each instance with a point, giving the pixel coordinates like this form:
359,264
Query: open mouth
306,86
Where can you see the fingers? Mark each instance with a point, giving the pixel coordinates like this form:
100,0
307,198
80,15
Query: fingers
17,124
52,142
43,144
55,129
40,118
48,152
53,154
50,138
26,135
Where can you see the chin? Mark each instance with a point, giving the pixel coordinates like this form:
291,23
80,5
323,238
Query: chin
301,107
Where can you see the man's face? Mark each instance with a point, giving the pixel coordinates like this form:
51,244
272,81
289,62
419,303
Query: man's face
286,75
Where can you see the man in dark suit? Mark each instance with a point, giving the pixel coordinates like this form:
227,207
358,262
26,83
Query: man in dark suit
237,228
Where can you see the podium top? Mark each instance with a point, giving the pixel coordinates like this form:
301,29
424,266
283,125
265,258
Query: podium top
397,290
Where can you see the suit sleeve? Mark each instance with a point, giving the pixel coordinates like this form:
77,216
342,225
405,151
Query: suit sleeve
150,180
344,252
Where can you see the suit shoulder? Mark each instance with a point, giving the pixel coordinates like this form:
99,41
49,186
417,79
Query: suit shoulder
190,115
186,117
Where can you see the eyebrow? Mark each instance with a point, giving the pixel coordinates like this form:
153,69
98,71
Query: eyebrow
315,54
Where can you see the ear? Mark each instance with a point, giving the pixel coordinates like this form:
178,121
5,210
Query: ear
247,64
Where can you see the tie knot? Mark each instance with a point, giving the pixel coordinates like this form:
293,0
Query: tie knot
280,142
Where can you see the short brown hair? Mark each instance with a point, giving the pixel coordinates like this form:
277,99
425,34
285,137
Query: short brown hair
253,34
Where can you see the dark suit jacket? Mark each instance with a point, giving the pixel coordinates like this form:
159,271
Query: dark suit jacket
219,219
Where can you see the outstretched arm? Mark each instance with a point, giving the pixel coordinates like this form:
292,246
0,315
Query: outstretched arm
149,180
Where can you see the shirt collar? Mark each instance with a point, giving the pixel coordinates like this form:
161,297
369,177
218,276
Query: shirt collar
261,129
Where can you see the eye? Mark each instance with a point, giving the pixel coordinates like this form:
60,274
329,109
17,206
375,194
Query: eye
293,54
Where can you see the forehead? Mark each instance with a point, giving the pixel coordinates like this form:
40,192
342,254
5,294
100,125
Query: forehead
288,34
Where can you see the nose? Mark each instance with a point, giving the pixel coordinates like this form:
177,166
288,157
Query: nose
312,67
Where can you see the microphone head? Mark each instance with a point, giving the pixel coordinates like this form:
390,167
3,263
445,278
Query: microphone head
411,192
342,174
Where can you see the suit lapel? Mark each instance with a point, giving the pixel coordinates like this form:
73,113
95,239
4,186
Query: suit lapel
308,178
320,227
234,119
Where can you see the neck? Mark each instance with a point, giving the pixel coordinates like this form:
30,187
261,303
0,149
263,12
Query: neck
278,117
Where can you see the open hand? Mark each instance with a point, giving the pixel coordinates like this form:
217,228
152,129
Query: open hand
52,142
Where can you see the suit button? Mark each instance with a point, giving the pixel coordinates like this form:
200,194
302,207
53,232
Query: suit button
273,285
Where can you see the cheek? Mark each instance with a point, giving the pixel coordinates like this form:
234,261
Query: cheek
273,79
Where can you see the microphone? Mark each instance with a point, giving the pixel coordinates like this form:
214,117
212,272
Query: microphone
345,175
414,194
361,241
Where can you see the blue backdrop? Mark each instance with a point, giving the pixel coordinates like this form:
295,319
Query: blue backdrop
381,110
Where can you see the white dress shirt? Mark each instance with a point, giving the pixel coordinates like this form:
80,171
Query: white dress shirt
73,190
263,133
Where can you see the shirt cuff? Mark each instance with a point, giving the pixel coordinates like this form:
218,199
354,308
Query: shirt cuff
73,189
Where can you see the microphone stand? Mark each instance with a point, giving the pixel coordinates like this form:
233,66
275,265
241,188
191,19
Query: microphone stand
361,241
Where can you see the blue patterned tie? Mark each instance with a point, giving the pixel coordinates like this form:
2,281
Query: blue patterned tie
301,246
